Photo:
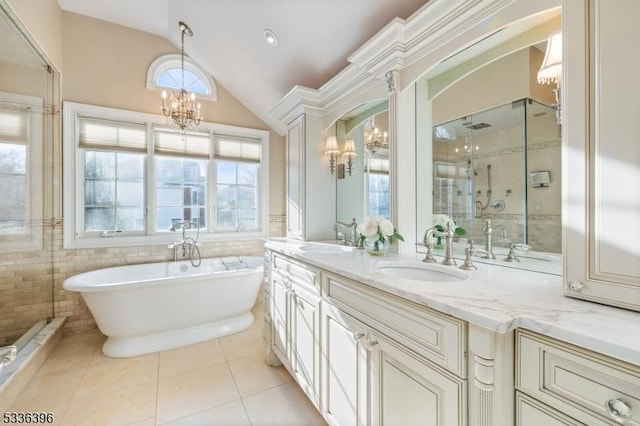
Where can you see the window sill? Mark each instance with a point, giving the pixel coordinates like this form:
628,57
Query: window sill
157,240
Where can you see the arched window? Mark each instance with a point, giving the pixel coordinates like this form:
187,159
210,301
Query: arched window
166,73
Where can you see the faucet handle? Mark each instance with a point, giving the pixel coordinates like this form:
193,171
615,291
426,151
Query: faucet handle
428,258
468,264
469,253
511,256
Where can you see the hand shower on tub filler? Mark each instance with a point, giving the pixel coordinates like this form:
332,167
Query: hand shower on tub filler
190,246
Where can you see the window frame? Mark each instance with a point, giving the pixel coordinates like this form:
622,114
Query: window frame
32,238
73,180
173,60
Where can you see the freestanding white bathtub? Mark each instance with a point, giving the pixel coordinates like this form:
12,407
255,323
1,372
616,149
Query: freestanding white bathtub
157,306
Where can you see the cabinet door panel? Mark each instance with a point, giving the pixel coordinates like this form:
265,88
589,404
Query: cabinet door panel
601,153
616,142
295,178
280,318
344,363
412,391
305,336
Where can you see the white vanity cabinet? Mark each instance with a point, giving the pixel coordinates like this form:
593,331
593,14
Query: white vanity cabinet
294,291
388,361
369,378
569,385
601,155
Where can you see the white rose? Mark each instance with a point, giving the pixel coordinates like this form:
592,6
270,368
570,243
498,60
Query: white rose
386,227
368,228
442,220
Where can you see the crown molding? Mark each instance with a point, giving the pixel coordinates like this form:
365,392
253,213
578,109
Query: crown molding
450,24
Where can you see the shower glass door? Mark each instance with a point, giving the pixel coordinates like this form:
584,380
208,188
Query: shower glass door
28,124
480,170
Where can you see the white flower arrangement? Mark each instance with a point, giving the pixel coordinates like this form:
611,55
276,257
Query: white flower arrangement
440,222
378,228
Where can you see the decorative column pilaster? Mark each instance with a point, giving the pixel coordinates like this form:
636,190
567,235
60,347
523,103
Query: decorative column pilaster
491,383
392,90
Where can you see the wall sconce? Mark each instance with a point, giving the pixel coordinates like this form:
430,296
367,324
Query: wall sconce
551,69
332,151
350,153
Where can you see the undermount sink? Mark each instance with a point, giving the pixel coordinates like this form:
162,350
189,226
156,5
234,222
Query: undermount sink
423,272
324,248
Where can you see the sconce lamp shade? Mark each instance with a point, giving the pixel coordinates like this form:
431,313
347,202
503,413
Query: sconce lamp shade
551,68
349,149
332,146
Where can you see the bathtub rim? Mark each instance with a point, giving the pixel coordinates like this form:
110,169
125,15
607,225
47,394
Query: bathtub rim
72,284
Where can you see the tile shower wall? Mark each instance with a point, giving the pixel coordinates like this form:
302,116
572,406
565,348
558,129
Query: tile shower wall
25,288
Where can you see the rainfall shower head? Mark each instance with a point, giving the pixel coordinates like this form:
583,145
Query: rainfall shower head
478,126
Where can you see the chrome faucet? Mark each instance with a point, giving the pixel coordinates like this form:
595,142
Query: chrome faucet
488,238
448,237
188,244
355,241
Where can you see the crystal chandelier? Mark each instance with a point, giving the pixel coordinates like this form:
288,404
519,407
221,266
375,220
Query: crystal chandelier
373,139
182,107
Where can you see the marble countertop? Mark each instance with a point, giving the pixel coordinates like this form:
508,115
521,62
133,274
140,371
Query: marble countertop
497,298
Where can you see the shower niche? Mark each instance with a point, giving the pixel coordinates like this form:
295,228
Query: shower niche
503,165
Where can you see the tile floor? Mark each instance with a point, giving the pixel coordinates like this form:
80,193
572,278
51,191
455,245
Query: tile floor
219,382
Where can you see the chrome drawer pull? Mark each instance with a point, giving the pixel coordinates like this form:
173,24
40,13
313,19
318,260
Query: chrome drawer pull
619,410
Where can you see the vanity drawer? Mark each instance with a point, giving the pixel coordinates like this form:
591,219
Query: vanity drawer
436,336
292,271
530,412
583,384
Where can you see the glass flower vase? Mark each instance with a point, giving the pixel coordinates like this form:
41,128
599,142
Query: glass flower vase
438,243
376,247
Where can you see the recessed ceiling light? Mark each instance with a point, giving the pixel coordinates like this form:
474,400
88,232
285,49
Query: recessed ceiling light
270,37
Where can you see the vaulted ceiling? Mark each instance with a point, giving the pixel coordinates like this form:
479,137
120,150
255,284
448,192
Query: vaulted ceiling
315,38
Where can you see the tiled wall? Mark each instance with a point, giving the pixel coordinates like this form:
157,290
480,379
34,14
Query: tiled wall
29,280
25,288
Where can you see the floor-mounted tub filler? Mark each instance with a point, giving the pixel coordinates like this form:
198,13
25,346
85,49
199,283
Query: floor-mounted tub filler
157,306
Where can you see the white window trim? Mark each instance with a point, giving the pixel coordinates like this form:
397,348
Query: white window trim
73,180
172,60
31,240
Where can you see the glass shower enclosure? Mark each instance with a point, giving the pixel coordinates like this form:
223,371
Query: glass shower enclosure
501,167
28,125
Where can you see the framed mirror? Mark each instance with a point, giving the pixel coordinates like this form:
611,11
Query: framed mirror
492,161
362,173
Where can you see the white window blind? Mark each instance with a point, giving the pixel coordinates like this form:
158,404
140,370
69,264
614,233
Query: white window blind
190,144
379,165
230,148
105,134
14,126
